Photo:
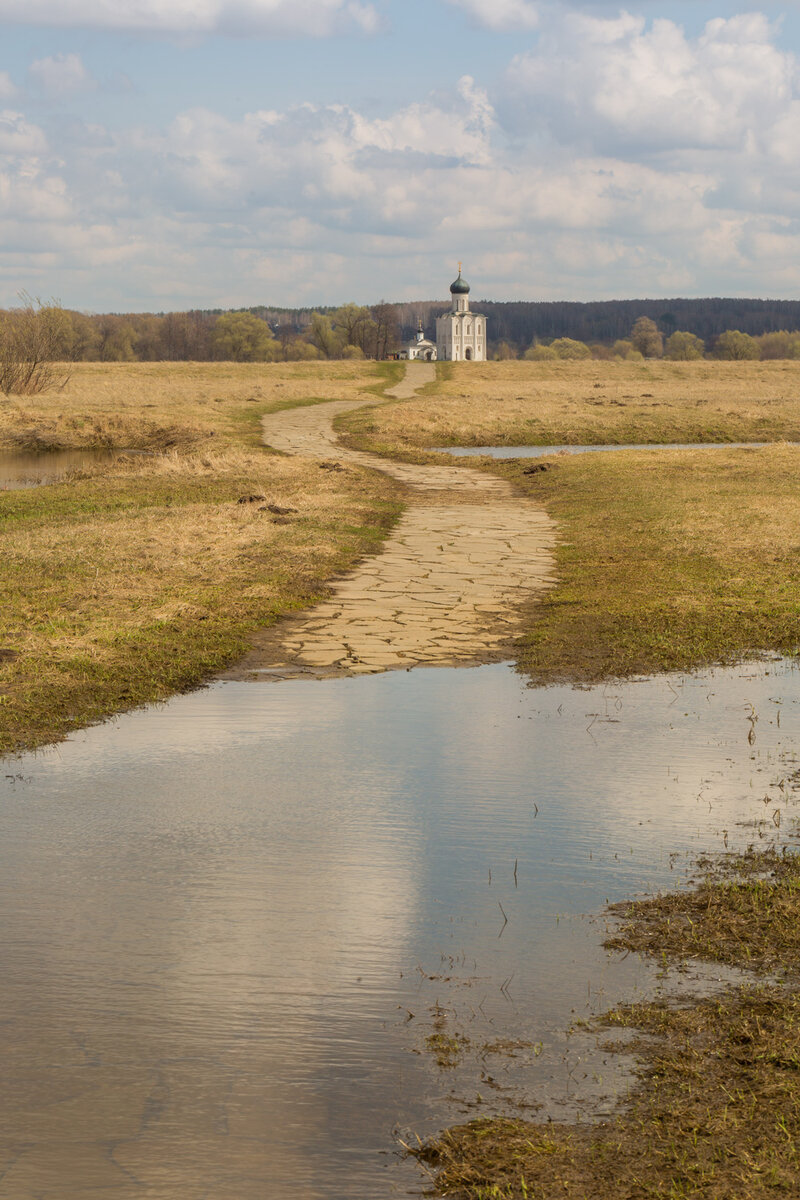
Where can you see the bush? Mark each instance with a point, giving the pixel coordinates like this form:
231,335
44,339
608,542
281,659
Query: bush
733,344
299,350
682,346
242,337
568,348
781,344
646,338
538,353
32,340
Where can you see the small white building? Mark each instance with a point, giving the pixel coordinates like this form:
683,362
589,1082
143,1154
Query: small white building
420,347
461,334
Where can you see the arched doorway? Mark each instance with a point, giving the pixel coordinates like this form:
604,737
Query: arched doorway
468,353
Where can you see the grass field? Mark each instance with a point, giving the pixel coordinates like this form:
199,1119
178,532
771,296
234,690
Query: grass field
136,580
591,403
165,405
666,560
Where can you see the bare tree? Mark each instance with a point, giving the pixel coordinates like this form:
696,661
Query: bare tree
32,347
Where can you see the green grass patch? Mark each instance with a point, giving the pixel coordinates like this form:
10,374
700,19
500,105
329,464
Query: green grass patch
124,587
714,1112
666,560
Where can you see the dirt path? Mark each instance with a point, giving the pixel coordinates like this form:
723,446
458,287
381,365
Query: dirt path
448,586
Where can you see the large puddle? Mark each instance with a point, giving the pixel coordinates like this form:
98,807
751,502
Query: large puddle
228,925
541,451
20,469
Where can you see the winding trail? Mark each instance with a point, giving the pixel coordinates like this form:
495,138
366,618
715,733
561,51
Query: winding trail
447,588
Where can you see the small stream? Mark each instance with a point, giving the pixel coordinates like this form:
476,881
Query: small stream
541,451
228,924
22,469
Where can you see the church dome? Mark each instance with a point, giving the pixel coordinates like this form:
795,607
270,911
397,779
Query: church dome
460,287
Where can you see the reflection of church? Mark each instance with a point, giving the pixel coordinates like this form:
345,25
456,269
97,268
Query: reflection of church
460,334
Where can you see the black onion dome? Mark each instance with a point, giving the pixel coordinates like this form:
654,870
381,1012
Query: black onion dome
460,287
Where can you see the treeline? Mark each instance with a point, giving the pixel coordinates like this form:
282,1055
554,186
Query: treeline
647,341
49,331
521,322
553,329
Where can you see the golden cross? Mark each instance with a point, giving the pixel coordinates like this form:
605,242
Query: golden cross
459,268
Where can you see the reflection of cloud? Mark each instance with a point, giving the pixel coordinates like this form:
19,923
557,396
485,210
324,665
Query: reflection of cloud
224,928
211,903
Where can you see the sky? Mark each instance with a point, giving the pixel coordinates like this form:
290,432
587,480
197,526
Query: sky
160,155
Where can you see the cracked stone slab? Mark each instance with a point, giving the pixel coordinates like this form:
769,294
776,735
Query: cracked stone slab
447,589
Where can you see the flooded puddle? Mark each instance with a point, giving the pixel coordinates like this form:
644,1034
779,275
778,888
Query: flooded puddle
22,469
540,451
229,925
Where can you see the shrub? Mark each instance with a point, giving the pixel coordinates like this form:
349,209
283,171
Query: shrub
781,344
299,350
646,338
568,348
733,344
682,346
539,353
243,337
32,339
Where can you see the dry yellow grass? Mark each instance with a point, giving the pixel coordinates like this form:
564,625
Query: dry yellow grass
574,403
667,559
158,405
130,581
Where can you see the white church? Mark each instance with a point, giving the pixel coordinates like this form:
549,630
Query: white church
460,333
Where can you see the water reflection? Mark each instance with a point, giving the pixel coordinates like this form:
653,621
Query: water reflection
541,451
226,924
21,469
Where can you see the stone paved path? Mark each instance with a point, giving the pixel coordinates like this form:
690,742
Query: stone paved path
448,586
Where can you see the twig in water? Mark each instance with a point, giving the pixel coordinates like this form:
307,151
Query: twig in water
505,919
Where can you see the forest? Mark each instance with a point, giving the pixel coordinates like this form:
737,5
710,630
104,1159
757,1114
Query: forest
678,328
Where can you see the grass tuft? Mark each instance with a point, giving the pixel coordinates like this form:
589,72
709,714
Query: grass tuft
715,1109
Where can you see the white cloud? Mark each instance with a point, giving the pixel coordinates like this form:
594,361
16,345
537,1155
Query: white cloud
316,18
501,14
617,83
618,158
60,75
18,136
7,87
